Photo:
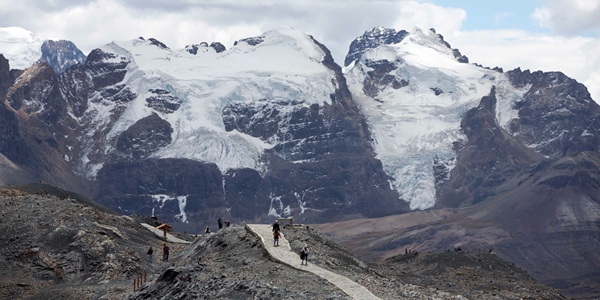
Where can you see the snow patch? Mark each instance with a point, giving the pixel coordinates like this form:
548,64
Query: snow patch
182,200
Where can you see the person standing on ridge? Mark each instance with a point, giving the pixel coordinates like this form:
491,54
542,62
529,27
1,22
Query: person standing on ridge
150,251
220,223
275,226
167,253
304,255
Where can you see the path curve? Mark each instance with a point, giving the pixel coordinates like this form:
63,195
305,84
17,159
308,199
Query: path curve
285,255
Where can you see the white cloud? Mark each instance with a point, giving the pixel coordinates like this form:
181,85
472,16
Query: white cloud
576,57
568,16
444,20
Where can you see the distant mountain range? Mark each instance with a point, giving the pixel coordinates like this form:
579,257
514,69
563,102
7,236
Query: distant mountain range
274,127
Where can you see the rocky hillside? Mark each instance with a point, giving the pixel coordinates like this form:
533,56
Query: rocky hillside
56,246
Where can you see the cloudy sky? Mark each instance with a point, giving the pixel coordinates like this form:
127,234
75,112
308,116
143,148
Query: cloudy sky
548,35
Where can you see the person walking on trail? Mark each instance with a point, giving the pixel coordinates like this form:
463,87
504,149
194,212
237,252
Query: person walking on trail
150,251
207,231
220,223
304,255
275,226
276,236
167,249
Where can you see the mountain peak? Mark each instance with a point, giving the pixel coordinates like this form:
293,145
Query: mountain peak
371,39
429,37
60,55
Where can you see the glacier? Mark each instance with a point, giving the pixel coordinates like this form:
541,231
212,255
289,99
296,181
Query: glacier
282,66
416,125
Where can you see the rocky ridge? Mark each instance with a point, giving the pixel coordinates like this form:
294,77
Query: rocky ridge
58,246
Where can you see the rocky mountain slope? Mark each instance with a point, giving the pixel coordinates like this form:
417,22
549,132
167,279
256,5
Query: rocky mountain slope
59,245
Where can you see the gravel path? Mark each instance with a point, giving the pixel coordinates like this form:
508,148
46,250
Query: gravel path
284,254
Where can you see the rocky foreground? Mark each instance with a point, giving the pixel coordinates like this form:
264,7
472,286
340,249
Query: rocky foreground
56,245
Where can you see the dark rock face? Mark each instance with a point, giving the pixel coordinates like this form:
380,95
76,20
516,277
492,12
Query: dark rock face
461,58
490,157
371,39
165,187
61,55
104,73
157,43
218,47
557,114
379,78
252,41
144,137
162,101
193,49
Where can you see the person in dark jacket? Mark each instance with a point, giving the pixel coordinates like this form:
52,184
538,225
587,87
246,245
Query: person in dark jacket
276,236
220,223
150,251
304,255
275,226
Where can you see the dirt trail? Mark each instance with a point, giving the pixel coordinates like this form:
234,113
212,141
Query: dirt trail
284,254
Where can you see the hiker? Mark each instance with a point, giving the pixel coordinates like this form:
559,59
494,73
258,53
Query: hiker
276,236
207,231
164,249
227,223
150,251
275,226
304,255
220,223
167,253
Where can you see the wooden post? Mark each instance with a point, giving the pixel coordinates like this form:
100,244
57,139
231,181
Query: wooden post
134,285
165,227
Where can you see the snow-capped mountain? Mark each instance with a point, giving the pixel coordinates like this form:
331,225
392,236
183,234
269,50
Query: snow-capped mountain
23,49
198,95
266,128
61,55
20,47
273,127
414,92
